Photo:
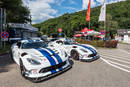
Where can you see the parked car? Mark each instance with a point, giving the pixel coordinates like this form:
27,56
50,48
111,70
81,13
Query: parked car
38,61
83,52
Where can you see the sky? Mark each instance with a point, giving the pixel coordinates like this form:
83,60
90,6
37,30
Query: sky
42,10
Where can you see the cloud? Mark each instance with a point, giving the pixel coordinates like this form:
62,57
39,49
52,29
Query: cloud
109,1
71,8
72,2
97,2
100,1
59,2
115,1
40,9
85,3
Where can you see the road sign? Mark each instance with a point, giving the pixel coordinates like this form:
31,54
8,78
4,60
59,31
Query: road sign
102,32
85,29
85,33
60,30
60,34
4,35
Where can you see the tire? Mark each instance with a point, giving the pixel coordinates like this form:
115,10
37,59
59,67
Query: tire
11,55
22,68
74,54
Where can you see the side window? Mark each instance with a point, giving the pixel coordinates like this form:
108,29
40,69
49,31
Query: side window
66,43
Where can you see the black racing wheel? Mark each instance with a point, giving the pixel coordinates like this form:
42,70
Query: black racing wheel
22,68
11,54
74,54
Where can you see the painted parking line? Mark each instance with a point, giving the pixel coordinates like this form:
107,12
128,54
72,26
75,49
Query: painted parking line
117,57
116,54
119,64
124,51
106,61
118,60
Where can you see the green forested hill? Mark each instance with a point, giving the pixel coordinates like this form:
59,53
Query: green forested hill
118,17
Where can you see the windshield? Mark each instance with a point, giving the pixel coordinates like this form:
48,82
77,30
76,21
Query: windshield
68,41
34,45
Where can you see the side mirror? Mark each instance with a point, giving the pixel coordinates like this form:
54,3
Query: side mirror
19,44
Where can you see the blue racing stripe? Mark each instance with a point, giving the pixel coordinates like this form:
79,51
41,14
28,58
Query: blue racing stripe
37,40
87,48
56,56
47,55
93,49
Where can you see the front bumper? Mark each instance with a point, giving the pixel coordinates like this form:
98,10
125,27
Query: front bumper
44,76
49,76
90,59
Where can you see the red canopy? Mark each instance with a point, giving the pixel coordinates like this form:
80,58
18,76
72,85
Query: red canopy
99,36
90,29
77,35
82,30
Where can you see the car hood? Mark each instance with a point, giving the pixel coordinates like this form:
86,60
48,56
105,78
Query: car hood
46,55
86,49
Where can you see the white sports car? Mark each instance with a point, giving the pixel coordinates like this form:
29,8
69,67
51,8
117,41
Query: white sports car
83,52
37,61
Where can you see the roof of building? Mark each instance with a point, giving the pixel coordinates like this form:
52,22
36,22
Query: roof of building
123,32
23,26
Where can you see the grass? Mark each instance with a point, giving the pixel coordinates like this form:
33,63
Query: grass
5,49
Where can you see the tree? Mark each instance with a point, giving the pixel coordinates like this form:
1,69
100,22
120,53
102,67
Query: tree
16,12
111,26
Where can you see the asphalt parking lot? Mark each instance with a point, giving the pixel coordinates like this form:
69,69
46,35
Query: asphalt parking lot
111,70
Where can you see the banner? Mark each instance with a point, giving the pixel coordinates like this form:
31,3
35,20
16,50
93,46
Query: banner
88,12
102,16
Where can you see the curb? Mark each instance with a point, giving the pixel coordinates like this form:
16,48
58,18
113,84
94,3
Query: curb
1,54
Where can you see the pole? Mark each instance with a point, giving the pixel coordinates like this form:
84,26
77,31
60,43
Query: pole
4,11
105,20
89,24
0,27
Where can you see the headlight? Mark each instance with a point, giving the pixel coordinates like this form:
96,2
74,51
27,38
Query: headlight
81,56
84,50
33,62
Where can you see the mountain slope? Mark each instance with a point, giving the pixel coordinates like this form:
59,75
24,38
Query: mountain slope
118,17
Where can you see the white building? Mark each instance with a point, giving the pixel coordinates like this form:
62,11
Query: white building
123,35
21,31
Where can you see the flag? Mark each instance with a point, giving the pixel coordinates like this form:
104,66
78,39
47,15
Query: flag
102,16
88,11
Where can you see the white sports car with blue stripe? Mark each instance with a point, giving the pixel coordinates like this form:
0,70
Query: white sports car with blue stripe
37,61
83,52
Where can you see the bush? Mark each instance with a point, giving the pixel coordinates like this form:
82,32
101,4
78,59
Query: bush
111,44
99,43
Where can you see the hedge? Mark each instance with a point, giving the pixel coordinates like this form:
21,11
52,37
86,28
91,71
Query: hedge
99,43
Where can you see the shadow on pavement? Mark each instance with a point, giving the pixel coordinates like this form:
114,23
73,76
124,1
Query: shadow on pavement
5,61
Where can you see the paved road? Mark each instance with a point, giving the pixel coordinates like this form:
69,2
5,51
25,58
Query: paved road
100,73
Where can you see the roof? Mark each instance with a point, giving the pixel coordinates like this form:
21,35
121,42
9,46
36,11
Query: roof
123,31
23,26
